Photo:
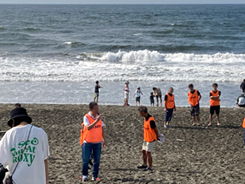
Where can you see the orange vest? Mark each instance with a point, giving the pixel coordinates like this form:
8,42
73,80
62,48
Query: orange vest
193,98
212,101
149,133
243,123
170,102
93,135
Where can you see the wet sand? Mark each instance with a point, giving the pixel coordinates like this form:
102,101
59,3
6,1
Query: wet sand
190,155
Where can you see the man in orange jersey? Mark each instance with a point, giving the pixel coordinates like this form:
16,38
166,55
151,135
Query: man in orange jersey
150,138
194,97
169,106
243,126
214,104
91,138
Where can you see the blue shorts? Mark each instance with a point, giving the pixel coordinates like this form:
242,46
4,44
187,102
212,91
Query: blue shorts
169,114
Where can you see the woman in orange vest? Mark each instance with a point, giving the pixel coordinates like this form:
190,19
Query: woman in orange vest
91,138
169,105
150,138
194,97
214,103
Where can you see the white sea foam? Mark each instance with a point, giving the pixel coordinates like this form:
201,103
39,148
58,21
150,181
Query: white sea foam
143,65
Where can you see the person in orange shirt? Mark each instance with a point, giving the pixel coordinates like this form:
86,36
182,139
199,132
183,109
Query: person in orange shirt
243,126
194,97
91,138
169,106
150,138
214,103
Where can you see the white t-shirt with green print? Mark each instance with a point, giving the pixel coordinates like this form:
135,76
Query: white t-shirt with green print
31,168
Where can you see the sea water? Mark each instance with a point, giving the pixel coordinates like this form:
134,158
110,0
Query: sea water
55,53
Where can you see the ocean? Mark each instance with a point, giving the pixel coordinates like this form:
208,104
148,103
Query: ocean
55,53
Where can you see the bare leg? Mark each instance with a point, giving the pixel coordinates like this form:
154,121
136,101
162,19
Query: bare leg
218,123
157,102
210,119
198,120
194,120
144,157
149,158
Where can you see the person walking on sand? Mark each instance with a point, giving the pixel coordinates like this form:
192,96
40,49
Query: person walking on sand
242,86
194,97
214,103
169,106
152,101
158,94
97,91
150,138
126,93
93,135
137,94
25,150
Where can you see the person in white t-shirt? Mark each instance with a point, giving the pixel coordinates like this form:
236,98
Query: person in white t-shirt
137,94
126,93
27,156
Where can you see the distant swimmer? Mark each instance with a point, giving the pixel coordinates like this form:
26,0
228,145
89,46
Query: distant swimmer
194,97
241,101
152,101
97,91
169,106
150,139
138,94
214,104
126,93
158,95
242,86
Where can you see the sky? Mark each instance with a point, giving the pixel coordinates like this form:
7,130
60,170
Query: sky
122,2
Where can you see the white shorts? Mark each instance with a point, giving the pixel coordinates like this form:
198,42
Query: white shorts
148,146
126,96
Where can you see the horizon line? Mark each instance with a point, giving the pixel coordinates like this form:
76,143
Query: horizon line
123,4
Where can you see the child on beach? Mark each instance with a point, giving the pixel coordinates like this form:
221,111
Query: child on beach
169,106
97,91
152,99
214,103
137,94
194,97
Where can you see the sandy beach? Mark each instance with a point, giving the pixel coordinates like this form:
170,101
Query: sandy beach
190,155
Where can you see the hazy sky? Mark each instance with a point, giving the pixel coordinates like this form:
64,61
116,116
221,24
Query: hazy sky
124,1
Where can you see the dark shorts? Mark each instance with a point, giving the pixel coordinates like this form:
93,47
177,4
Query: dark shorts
152,101
159,96
96,95
214,108
169,114
137,99
195,110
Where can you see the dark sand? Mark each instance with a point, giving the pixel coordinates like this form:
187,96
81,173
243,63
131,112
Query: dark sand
189,155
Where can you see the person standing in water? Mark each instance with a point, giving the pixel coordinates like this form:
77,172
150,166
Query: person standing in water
194,97
169,106
97,91
214,104
137,94
152,101
242,86
158,95
150,139
126,93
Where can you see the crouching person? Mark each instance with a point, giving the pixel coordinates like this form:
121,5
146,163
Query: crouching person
25,150
150,138
93,134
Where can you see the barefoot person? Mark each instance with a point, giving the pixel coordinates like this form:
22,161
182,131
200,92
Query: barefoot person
152,101
93,135
158,94
169,106
214,104
25,150
97,91
137,94
242,86
126,93
150,138
194,97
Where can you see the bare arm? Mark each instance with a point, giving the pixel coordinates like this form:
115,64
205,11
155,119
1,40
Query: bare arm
89,127
103,136
46,170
